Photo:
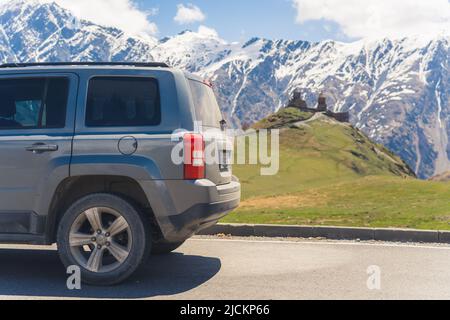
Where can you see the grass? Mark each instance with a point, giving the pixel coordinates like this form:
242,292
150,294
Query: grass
283,118
331,174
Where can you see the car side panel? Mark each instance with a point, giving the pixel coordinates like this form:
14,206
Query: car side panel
96,150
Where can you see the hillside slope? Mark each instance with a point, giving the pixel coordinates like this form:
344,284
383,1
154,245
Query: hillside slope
332,174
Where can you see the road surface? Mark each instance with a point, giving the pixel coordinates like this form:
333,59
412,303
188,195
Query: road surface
215,268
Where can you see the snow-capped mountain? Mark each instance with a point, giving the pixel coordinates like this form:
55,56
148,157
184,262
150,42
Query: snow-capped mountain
31,30
397,91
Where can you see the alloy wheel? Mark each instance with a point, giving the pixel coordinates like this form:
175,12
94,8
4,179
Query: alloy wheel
100,239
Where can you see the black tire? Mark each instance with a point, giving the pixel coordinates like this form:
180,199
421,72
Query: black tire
137,225
160,248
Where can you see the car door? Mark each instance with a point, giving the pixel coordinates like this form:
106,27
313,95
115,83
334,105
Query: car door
36,130
125,128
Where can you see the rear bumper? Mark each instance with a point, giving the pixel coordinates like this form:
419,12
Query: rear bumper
186,207
201,216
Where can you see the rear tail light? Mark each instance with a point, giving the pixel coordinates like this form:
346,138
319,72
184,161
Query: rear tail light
194,156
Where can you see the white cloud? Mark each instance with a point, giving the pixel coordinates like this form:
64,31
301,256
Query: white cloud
122,14
208,32
380,18
189,14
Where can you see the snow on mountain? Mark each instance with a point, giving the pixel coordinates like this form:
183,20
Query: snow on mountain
397,91
32,30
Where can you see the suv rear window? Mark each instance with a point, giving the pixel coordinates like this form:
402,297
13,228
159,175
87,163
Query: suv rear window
206,107
123,102
33,103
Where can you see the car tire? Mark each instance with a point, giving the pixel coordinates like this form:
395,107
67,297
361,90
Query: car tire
161,248
123,238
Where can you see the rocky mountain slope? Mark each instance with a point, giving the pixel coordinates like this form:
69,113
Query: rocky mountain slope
397,91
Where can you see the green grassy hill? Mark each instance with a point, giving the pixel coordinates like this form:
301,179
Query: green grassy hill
332,174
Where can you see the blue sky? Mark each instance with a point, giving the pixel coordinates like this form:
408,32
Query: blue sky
241,19
235,20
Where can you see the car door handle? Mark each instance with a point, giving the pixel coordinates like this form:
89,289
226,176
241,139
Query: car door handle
42,147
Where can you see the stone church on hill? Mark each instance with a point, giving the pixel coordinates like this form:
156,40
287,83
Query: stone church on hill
298,102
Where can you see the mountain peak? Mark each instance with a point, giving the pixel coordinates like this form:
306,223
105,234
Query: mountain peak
29,5
39,30
184,32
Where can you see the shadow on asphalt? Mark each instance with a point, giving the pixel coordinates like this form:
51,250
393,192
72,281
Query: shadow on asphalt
40,273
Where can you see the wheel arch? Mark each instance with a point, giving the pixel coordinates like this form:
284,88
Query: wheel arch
74,188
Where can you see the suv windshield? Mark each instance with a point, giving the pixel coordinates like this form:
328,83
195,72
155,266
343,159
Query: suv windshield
206,107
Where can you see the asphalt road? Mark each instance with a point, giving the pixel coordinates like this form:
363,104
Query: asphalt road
212,268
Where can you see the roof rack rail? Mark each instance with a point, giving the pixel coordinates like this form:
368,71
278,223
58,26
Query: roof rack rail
47,64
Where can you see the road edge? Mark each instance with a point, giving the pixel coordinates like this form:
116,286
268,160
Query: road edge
332,233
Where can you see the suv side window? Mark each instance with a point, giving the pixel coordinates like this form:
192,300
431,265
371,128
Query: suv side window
33,103
123,102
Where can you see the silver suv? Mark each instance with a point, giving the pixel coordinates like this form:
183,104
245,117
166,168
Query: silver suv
87,156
